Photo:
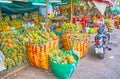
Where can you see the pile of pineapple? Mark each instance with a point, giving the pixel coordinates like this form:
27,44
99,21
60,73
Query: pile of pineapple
62,57
66,25
78,36
17,24
69,27
39,36
4,26
13,47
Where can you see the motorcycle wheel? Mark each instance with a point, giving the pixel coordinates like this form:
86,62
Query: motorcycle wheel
101,55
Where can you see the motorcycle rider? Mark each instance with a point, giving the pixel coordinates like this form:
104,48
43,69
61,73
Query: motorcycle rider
102,33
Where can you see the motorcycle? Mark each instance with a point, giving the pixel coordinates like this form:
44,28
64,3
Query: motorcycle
102,42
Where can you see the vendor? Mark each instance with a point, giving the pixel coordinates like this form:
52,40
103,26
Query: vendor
94,19
99,16
84,22
29,24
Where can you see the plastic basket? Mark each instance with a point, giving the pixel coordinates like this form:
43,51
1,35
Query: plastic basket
64,71
59,33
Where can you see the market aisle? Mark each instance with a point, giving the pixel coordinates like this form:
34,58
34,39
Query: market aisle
90,67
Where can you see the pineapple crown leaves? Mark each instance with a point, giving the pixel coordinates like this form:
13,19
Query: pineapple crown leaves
11,50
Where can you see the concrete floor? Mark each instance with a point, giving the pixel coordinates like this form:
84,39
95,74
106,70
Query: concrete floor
90,67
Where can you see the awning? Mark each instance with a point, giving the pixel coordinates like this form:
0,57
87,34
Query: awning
17,7
44,1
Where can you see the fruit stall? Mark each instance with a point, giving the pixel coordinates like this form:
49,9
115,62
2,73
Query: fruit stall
34,34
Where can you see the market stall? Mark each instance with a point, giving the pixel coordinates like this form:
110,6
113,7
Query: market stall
33,33
15,18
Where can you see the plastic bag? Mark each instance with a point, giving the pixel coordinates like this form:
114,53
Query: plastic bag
2,58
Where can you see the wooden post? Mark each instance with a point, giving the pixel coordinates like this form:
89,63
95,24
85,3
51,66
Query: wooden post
0,14
71,10
46,13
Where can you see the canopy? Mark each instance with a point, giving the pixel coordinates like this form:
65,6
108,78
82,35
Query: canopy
44,1
17,7
37,1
